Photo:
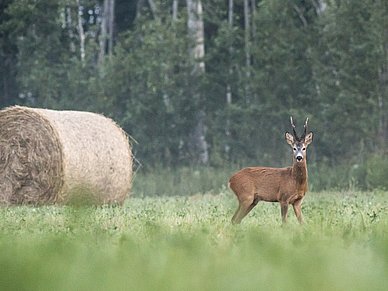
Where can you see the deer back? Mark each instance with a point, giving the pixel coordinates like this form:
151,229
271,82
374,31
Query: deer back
269,184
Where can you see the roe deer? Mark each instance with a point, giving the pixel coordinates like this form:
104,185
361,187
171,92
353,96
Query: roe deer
284,185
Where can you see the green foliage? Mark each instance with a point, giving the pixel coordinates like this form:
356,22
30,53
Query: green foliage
188,243
377,172
151,76
325,176
40,49
185,181
350,55
296,59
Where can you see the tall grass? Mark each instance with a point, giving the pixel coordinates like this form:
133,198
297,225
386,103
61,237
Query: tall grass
188,243
183,181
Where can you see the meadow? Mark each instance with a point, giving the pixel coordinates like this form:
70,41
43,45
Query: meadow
188,243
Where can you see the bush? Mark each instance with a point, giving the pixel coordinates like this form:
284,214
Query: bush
181,181
377,172
186,181
323,176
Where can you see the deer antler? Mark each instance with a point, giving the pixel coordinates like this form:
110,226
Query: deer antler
305,129
293,128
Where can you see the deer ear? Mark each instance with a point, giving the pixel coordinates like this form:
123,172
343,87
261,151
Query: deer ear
309,138
290,139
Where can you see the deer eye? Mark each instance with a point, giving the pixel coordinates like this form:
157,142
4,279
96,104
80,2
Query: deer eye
304,149
294,149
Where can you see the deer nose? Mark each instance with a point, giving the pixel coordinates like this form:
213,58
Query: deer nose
299,158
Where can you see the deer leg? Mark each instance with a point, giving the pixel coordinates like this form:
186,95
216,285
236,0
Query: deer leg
236,214
241,212
244,208
298,210
284,210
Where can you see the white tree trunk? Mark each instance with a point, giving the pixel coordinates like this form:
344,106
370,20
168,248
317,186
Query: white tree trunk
383,96
230,23
174,10
247,40
196,33
69,25
153,8
228,86
106,35
111,26
197,53
320,6
81,32
253,4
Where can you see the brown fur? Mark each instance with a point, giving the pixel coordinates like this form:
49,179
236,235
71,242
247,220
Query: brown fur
284,185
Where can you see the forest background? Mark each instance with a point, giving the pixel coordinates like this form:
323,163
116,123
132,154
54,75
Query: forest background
211,84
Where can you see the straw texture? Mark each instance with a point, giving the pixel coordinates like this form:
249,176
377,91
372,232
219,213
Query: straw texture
49,156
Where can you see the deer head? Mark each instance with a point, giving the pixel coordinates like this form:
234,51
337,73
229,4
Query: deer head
299,144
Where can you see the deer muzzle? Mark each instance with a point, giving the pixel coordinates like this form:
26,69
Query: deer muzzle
299,157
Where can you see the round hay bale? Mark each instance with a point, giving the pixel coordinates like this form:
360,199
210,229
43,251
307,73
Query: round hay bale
49,156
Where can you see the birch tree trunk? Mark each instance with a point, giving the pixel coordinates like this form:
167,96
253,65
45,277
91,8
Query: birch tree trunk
153,8
81,32
253,4
69,25
175,10
228,86
103,33
111,26
247,40
230,23
196,34
106,35
197,53
383,81
320,6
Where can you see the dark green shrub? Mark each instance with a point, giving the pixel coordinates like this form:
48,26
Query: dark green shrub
377,172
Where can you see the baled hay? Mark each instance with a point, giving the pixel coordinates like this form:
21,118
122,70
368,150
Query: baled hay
49,156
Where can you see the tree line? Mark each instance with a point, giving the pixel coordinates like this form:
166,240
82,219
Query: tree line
209,82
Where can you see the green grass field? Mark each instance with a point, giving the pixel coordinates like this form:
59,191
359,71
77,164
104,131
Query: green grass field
188,243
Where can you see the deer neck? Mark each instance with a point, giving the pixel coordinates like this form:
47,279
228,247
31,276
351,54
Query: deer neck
299,172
